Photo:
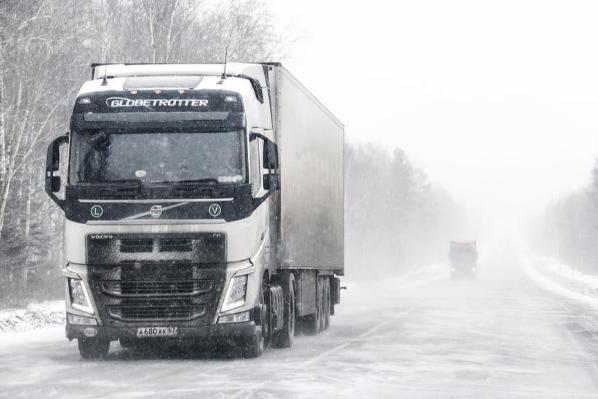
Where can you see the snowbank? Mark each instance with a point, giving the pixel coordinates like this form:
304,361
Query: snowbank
34,316
561,279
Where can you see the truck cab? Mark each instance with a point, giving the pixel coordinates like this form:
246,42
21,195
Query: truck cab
463,257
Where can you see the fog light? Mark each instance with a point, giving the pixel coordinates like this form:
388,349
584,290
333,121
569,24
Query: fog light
81,320
234,318
90,332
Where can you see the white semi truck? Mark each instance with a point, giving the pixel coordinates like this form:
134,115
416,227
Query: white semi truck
202,202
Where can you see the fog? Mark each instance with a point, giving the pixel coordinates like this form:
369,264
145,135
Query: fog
496,100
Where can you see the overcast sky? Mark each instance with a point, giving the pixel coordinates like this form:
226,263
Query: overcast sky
497,100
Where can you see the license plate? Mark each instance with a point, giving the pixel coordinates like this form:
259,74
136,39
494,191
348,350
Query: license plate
157,331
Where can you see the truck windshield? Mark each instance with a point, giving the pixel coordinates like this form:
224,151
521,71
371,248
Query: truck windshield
111,157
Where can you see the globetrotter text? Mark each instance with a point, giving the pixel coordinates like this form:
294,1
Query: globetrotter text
117,102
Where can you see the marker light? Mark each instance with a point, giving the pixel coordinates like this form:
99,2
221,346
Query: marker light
230,99
84,100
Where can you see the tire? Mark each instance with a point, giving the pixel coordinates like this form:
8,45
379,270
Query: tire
311,324
253,347
322,303
284,337
327,302
136,344
93,348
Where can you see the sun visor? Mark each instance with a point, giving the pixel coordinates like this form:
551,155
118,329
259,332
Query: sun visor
162,82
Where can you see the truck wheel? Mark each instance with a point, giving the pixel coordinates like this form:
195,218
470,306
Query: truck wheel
322,302
311,324
327,304
93,348
253,346
135,344
284,337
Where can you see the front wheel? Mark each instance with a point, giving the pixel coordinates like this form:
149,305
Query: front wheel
93,348
253,346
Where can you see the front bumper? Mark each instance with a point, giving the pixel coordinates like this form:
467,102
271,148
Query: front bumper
216,331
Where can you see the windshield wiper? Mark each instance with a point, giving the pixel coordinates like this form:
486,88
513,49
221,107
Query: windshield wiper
210,180
136,181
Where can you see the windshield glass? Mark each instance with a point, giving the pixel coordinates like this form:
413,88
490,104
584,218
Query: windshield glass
110,157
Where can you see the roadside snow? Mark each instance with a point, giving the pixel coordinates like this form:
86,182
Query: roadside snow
560,279
34,316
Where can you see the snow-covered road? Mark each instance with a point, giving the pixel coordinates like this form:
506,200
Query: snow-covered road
422,337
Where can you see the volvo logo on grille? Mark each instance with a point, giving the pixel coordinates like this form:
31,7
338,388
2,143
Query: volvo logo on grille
156,211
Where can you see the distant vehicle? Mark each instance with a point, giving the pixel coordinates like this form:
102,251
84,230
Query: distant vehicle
182,221
464,259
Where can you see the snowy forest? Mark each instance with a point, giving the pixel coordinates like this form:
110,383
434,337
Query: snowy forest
568,228
46,48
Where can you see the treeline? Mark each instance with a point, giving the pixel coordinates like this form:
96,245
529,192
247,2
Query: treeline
396,219
46,47
568,228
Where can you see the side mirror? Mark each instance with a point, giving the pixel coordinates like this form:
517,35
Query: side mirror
55,184
270,155
53,165
271,182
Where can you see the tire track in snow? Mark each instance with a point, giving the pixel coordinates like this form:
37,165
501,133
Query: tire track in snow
247,392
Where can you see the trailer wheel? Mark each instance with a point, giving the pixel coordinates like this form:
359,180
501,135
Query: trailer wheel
93,348
284,337
327,303
312,324
322,303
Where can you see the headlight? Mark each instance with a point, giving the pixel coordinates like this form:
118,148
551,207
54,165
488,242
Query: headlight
235,296
79,298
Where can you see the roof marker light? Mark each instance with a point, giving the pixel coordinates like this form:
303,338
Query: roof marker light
230,99
84,100
157,91
133,92
181,91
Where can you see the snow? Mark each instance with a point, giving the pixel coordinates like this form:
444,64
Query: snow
419,335
34,316
560,279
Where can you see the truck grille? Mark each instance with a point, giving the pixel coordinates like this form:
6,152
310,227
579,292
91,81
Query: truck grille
157,311
156,288
156,278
